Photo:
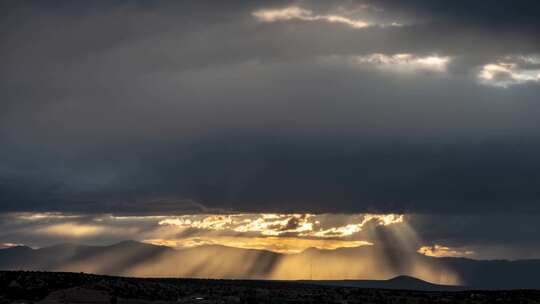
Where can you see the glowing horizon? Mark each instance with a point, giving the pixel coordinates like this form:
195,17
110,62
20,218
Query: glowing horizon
371,237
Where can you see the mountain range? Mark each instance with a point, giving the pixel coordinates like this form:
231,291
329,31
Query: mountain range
341,267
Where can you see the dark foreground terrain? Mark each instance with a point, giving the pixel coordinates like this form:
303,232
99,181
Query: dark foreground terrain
61,287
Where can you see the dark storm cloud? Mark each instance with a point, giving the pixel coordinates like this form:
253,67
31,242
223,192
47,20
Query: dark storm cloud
506,15
191,106
250,175
508,235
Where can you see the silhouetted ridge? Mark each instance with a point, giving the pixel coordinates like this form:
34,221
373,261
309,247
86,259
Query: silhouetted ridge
18,248
406,279
132,258
400,282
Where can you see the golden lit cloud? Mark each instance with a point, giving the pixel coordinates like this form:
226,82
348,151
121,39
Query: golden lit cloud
269,231
350,229
265,224
213,222
43,216
301,225
286,233
274,224
298,13
9,245
443,251
287,13
405,62
72,230
512,71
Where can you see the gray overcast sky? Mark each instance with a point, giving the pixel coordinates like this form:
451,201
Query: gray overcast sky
344,106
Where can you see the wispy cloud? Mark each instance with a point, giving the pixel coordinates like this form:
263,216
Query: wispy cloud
298,13
9,245
437,250
405,62
512,70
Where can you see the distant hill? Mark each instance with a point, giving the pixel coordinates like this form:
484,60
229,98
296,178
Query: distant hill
399,282
327,267
111,259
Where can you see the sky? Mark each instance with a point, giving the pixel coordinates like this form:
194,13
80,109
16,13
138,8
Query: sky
424,111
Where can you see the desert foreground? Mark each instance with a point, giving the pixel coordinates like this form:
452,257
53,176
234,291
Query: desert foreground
53,287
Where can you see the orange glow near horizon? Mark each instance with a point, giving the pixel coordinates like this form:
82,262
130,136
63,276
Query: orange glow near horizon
285,245
71,230
254,246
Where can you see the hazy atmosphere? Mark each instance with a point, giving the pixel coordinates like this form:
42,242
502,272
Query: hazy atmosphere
408,128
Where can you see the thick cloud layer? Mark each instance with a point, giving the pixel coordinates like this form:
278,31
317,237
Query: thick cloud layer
130,107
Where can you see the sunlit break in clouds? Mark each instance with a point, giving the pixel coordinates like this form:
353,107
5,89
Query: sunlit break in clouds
290,241
284,233
304,225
